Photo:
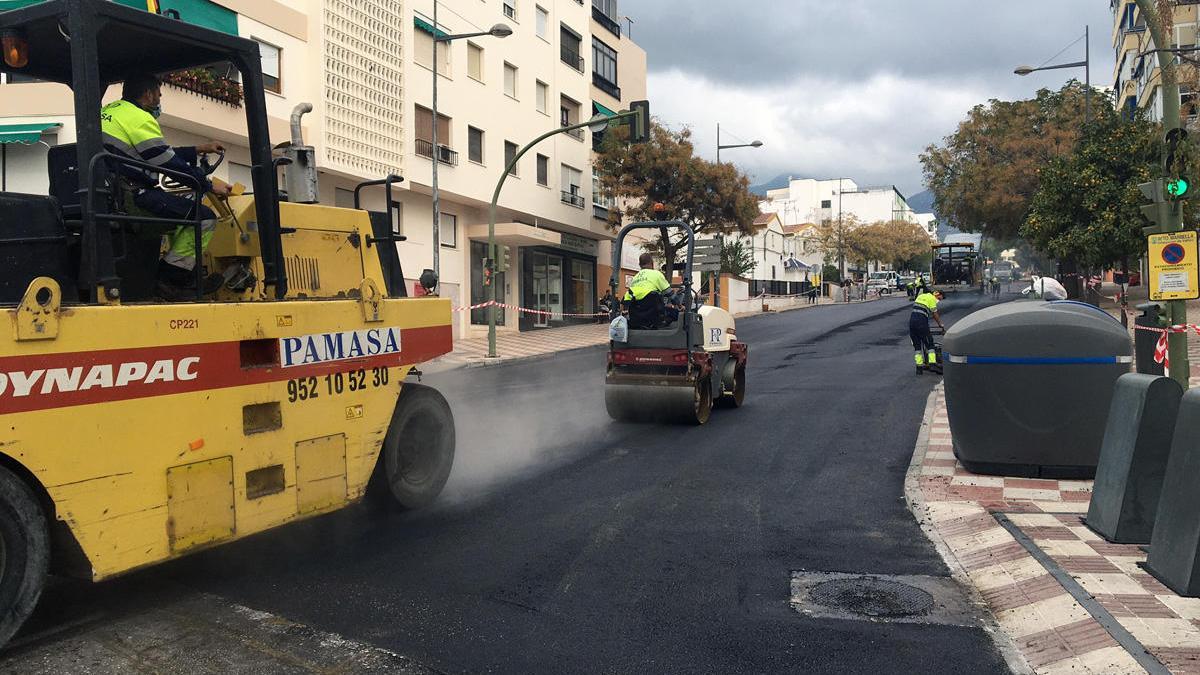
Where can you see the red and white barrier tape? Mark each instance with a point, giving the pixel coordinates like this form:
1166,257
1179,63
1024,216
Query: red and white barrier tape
1161,354
490,303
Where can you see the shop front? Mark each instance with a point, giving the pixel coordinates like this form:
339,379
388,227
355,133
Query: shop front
558,280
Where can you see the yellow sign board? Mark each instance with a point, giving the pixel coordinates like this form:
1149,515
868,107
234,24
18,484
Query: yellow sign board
1173,266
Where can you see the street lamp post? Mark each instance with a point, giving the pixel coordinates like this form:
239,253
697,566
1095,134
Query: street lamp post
1087,73
597,124
499,30
755,144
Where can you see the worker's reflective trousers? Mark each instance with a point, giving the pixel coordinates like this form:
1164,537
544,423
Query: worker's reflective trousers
922,339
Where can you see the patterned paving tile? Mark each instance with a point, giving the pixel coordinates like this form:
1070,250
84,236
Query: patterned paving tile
1054,632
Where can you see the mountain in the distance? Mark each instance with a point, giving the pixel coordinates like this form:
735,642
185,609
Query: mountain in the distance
922,202
780,181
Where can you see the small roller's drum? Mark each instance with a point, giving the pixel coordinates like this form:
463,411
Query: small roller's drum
689,404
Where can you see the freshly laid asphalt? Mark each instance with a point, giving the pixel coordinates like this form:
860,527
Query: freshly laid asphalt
566,543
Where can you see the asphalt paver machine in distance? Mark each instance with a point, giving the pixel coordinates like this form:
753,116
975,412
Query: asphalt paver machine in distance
134,429
676,370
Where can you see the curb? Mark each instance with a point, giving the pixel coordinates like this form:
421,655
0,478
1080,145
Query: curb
916,505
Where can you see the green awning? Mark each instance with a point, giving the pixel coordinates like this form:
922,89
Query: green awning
25,133
428,27
603,110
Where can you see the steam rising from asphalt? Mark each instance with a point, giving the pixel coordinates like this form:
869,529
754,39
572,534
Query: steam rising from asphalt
509,429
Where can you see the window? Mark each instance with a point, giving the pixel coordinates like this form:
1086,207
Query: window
475,61
510,80
510,9
604,68
568,113
423,50
510,151
424,136
607,7
825,204
542,97
543,170
543,23
582,279
569,48
598,197
475,144
448,230
271,74
571,179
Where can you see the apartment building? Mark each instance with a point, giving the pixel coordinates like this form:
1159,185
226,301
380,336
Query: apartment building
367,68
807,202
1137,83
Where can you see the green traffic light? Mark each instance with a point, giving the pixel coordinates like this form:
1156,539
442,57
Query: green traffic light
1177,187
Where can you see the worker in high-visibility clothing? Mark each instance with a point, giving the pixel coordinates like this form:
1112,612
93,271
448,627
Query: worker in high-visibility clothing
130,127
925,308
646,315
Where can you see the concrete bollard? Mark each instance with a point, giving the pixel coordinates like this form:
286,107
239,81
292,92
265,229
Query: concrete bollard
1175,546
1133,457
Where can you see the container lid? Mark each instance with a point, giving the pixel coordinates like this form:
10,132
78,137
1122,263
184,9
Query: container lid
1068,330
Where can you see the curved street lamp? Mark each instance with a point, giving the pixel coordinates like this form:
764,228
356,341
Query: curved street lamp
1087,73
755,144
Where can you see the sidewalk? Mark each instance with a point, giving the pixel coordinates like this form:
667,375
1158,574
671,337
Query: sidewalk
471,352
1069,601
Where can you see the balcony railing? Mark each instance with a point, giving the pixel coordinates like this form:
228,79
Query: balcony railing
599,212
605,20
445,154
206,83
605,86
571,58
572,197
577,134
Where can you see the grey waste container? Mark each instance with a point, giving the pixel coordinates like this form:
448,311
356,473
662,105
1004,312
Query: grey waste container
1028,387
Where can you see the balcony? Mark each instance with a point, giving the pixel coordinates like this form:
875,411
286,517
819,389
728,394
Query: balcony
445,155
600,212
572,58
577,134
606,21
602,83
572,197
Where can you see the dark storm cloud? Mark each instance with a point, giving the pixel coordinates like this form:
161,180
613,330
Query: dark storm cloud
756,41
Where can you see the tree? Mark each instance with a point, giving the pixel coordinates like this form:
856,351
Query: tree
1087,208
836,240
712,198
736,258
985,174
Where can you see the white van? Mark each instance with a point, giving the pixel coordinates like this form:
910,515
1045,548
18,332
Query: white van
882,282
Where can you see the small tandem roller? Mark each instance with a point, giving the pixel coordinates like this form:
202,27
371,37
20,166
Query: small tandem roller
673,368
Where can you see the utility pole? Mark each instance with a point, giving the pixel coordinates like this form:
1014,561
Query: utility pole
1173,221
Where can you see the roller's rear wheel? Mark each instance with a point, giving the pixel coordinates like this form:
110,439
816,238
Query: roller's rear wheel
418,450
702,402
24,553
735,385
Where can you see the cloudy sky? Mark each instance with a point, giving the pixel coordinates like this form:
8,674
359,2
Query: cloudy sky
853,88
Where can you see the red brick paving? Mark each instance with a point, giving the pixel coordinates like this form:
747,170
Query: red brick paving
1050,533
1140,606
1087,564
993,555
1023,593
1060,643
1180,659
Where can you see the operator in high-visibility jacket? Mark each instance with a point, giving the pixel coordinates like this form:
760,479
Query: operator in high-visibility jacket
648,280
130,127
924,308
646,315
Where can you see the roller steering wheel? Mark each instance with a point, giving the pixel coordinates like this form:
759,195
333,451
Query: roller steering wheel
207,168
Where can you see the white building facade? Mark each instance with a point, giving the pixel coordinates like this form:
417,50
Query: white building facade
366,66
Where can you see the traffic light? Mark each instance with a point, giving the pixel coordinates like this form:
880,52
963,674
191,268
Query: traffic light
641,123
1177,188
501,258
1155,192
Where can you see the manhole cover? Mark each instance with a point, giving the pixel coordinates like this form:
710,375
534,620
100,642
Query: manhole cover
872,597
